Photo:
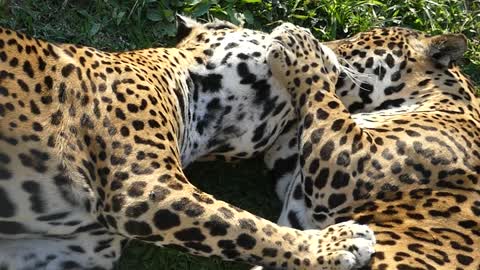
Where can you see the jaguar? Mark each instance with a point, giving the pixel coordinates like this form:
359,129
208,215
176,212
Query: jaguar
93,146
390,140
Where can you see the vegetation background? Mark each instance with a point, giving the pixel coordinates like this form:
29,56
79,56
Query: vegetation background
133,24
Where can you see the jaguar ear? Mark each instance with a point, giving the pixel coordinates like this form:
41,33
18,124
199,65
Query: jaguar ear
184,27
447,48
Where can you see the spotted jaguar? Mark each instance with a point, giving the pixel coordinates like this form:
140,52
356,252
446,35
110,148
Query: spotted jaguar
390,140
93,146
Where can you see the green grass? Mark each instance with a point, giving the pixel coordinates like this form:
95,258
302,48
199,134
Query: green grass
130,24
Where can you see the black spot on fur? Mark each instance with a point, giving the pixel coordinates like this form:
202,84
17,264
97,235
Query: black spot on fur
27,68
393,103
191,209
137,209
7,208
336,199
294,222
217,226
5,174
326,150
246,241
244,72
269,252
10,227
394,89
66,70
190,234
321,179
340,179
210,83
137,228
33,188
165,219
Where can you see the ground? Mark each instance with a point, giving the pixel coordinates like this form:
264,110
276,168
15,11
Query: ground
132,24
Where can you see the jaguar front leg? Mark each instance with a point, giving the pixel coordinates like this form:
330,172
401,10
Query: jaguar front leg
328,139
166,210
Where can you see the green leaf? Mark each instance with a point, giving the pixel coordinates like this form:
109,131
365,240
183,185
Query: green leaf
298,16
251,1
168,14
154,15
119,16
194,2
94,29
249,17
83,13
167,29
233,16
201,8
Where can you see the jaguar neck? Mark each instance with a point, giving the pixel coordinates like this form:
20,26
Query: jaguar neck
236,108
204,114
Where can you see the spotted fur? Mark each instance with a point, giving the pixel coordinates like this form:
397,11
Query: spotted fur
92,146
397,148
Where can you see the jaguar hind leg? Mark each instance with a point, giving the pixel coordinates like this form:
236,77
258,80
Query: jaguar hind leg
86,251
